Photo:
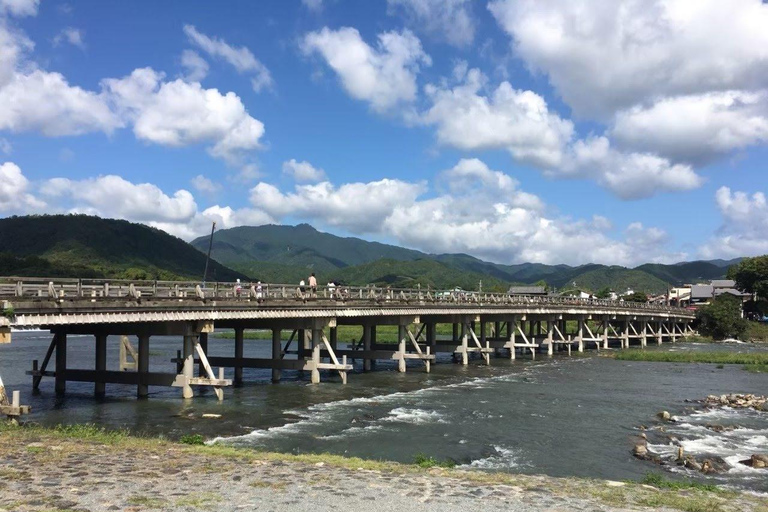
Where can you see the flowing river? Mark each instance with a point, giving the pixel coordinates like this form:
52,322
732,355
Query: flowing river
565,416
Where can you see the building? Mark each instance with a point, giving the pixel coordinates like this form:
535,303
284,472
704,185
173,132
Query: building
702,294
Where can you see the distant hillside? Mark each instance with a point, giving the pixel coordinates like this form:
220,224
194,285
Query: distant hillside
409,274
682,273
297,246
617,278
86,246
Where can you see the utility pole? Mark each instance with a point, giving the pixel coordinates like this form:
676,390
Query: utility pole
208,258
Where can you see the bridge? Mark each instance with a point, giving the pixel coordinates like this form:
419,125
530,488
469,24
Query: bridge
483,324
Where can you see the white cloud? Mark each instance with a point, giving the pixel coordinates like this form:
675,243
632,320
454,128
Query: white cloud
606,55
205,185
696,128
19,7
515,120
179,113
70,35
14,195
113,196
196,66
450,20
45,102
744,231
356,207
303,171
313,5
628,175
384,76
242,59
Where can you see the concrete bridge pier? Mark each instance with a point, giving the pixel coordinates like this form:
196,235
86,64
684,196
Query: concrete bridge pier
239,335
61,363
99,388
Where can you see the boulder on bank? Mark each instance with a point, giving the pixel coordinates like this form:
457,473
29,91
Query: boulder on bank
664,416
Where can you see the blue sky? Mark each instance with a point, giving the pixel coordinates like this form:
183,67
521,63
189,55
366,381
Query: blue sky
513,130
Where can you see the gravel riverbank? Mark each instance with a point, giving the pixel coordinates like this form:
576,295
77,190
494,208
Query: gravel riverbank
60,472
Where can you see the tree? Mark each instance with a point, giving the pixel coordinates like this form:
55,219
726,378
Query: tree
722,318
603,293
637,297
543,283
751,275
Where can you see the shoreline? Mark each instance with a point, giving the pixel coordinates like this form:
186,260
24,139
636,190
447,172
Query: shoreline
89,468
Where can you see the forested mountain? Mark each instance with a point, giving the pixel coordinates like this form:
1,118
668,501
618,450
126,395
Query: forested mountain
87,246
289,253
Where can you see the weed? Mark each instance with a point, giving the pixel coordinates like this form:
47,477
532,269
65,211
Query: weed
194,439
425,461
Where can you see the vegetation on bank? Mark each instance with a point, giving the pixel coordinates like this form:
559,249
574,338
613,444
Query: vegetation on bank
754,362
81,439
345,333
722,319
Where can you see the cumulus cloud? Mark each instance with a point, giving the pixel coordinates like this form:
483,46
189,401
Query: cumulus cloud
180,113
45,102
606,55
205,185
696,128
70,35
14,186
515,120
520,122
356,207
683,80
303,171
384,76
629,175
449,20
744,231
196,66
242,59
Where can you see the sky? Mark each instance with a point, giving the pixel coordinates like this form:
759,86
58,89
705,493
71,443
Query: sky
607,131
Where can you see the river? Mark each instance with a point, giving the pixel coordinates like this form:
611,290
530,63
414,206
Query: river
565,416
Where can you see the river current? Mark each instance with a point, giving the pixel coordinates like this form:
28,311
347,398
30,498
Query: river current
564,416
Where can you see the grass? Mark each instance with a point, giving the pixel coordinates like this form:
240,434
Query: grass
146,501
345,333
757,331
425,461
757,359
659,481
192,439
756,368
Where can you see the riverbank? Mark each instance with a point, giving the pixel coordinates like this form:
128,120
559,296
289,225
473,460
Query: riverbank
751,361
86,468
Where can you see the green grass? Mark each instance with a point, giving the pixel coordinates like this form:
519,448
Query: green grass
345,333
659,481
193,439
756,368
756,359
425,461
757,331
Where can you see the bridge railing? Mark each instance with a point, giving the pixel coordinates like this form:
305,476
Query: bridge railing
35,288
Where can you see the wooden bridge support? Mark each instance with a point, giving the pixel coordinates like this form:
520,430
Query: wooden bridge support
239,335
277,356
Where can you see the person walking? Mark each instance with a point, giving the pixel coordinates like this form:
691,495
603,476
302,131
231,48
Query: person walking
313,284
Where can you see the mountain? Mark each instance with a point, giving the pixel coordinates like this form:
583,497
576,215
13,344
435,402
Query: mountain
410,274
289,253
688,272
87,246
299,246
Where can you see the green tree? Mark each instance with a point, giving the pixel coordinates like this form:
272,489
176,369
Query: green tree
751,275
637,297
603,293
722,318
543,283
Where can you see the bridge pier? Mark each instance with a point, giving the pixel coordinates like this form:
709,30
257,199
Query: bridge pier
239,335
277,355
61,364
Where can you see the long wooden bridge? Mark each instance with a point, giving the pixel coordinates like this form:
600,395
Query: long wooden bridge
483,324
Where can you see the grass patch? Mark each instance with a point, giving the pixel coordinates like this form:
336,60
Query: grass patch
758,359
657,480
756,368
199,500
345,333
194,439
425,461
757,331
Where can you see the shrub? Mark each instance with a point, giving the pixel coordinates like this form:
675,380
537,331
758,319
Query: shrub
195,439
